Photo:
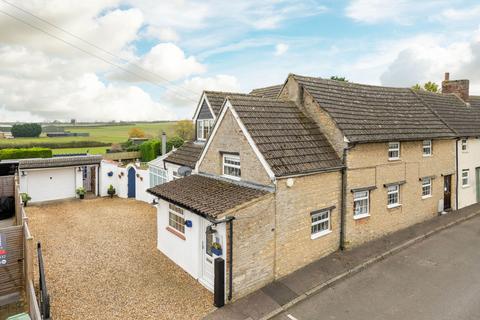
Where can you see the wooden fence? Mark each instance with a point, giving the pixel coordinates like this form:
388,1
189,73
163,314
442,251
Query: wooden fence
123,155
17,275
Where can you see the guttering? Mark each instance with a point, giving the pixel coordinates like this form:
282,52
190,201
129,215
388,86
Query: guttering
331,169
343,207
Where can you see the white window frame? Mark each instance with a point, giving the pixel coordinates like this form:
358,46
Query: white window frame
177,212
356,199
158,176
464,145
393,190
201,134
323,232
426,185
466,178
427,148
232,157
393,147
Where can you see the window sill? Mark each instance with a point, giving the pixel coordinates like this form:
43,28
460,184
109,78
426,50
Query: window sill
426,197
393,159
465,186
231,177
176,233
320,234
393,206
361,216
427,155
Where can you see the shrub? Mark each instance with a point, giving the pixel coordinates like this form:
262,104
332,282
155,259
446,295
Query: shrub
26,130
25,153
136,133
152,148
174,142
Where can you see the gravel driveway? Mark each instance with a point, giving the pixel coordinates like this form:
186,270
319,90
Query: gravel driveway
102,263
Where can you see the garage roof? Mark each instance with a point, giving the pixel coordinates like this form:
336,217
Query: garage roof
60,162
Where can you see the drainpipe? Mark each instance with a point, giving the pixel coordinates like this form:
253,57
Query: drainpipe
228,220
456,174
343,210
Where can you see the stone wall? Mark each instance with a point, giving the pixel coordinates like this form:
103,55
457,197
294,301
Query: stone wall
368,166
253,246
295,246
230,139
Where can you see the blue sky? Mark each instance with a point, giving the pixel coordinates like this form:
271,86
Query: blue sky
220,45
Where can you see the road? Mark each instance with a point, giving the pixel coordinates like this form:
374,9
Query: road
438,278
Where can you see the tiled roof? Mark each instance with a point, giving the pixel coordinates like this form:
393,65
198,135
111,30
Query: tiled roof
464,120
289,141
204,195
187,155
268,92
56,162
216,99
367,113
475,101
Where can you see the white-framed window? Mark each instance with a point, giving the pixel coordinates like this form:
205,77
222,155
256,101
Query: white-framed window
427,148
426,187
361,204
203,128
464,145
465,177
176,218
393,196
320,223
231,166
157,176
393,150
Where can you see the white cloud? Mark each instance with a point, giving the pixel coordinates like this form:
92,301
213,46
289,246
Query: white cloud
398,11
166,34
280,49
455,14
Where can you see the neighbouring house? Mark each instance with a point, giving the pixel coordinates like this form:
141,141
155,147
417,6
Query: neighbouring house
461,112
268,92
58,178
267,175
399,155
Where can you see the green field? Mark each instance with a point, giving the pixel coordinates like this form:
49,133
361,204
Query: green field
99,133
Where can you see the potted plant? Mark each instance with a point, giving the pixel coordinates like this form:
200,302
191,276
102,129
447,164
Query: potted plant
217,248
81,192
111,191
25,198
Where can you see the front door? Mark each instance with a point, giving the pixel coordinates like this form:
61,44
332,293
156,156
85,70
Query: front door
131,182
447,192
208,271
478,183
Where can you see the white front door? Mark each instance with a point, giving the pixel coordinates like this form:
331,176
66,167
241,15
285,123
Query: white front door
208,268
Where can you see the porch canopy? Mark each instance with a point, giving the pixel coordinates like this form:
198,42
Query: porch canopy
206,196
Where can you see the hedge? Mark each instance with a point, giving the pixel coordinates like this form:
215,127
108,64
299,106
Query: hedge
26,130
25,153
151,149
54,145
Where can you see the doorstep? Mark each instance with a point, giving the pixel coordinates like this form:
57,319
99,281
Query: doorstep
289,290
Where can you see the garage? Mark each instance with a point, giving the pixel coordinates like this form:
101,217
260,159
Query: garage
59,177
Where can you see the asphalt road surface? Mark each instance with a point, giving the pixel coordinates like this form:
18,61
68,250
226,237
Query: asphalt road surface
438,279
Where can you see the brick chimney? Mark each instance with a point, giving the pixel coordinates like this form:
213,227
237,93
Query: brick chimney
459,87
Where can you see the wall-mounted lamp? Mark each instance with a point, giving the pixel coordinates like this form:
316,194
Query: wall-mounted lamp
154,202
79,169
24,173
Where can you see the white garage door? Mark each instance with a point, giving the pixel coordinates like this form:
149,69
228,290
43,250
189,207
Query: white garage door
51,184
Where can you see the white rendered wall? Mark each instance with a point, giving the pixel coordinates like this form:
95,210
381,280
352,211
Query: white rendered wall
469,159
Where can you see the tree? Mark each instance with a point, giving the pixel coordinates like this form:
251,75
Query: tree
338,78
184,129
31,130
136,133
428,86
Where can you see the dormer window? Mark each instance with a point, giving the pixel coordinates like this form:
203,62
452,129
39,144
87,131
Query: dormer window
204,128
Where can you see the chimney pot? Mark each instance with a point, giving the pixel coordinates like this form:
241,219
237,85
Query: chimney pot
447,76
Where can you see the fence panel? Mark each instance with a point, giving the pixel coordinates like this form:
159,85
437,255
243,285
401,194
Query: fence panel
11,273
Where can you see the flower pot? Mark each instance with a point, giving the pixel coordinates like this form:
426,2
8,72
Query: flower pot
217,252
81,196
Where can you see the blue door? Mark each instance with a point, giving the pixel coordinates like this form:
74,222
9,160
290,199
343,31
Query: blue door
131,182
